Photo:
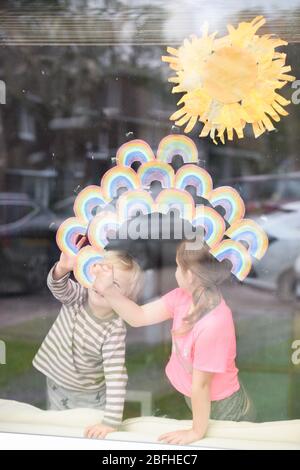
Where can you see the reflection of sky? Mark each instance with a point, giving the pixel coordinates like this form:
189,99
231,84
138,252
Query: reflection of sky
145,22
188,16
180,18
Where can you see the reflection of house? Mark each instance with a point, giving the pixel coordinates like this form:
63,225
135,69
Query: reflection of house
226,162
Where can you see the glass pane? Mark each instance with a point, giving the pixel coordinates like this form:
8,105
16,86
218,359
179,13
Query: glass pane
79,79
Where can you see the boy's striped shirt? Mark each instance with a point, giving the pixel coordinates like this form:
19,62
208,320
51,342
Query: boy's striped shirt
83,352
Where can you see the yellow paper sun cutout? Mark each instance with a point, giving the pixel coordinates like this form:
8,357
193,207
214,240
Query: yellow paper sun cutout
230,81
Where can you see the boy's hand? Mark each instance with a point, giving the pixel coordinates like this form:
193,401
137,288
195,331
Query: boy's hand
98,431
66,262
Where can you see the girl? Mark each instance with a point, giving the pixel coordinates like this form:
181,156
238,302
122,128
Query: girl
202,363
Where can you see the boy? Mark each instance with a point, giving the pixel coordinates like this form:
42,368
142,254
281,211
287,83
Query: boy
83,354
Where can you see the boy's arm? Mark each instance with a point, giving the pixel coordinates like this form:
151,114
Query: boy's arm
113,352
62,287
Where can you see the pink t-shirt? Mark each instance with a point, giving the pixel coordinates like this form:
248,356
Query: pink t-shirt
210,346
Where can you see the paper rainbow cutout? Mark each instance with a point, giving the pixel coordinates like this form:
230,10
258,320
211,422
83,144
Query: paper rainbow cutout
213,224
137,198
191,175
100,227
116,178
237,254
156,171
173,145
67,234
134,151
230,200
250,232
86,258
176,199
134,201
88,200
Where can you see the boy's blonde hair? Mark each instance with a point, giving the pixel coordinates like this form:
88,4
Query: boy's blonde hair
125,262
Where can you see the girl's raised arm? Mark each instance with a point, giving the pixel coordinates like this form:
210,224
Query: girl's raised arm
136,315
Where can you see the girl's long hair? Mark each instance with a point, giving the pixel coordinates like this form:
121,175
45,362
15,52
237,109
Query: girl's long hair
208,274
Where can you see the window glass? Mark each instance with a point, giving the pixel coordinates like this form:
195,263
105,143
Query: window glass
79,79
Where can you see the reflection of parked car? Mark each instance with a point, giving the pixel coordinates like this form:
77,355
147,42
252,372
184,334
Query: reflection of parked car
25,243
276,269
64,208
265,193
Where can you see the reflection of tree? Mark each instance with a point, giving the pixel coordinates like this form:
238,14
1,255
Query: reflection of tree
61,82
124,74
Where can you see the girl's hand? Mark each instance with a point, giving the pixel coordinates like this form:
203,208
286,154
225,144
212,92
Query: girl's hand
181,437
66,262
104,277
98,431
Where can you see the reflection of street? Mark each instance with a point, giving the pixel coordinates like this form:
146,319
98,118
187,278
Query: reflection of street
18,309
247,300
244,300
